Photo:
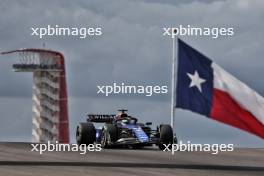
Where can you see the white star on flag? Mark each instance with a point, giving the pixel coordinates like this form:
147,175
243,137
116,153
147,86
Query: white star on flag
196,80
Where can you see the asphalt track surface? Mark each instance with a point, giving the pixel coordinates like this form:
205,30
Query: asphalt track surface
17,159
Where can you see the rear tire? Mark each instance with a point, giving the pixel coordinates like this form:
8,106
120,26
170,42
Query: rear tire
109,135
166,136
85,133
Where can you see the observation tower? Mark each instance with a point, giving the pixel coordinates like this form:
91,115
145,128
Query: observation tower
50,101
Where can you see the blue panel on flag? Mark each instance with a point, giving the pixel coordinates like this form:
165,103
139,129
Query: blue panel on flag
194,80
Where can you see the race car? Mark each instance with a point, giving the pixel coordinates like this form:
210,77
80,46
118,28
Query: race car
122,130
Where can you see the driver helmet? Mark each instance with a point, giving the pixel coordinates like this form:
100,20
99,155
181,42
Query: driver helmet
121,115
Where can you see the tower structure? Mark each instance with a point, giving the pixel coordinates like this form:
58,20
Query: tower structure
50,121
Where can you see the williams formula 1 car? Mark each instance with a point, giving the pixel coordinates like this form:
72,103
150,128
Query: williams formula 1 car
122,130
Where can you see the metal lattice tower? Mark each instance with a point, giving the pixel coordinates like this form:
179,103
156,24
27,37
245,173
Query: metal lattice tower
50,103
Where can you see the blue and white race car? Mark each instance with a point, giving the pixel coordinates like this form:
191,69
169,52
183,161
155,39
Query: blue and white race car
122,130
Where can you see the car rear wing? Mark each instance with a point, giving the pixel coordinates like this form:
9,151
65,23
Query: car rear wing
100,118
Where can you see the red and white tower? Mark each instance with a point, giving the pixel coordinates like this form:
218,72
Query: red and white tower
50,104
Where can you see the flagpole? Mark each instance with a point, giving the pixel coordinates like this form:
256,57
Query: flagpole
173,81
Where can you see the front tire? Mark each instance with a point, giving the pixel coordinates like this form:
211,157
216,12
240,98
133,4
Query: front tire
109,135
85,133
166,136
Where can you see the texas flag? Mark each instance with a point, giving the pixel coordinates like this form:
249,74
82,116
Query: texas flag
206,88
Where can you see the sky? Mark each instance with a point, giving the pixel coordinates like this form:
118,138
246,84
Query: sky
132,50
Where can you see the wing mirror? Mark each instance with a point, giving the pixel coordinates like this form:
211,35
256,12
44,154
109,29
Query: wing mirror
148,123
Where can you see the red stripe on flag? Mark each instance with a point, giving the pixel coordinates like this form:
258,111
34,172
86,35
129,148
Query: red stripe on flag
225,109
